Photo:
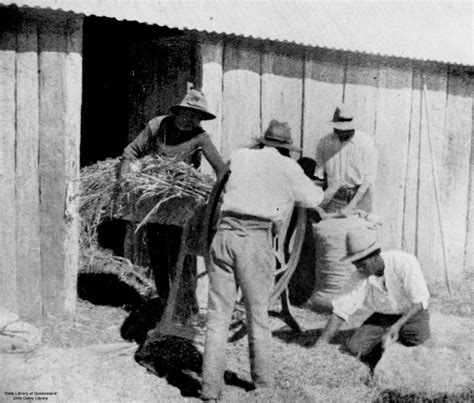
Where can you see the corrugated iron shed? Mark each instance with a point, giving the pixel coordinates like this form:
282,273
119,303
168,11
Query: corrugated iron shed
422,30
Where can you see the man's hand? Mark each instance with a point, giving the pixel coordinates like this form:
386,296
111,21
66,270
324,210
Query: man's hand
329,193
321,213
321,343
331,328
391,336
127,168
346,211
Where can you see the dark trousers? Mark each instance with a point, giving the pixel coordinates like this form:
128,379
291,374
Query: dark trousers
164,243
366,341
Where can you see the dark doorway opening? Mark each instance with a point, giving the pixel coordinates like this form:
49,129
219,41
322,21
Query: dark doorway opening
105,90
131,73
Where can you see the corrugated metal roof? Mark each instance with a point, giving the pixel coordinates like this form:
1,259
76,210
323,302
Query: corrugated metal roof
427,30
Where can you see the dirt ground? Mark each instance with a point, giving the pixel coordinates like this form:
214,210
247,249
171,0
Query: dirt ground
83,358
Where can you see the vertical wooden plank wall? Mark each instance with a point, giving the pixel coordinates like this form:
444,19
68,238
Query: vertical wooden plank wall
282,90
412,168
391,139
60,91
388,99
28,262
40,102
469,245
455,181
323,90
52,160
72,138
8,275
212,75
241,96
360,91
429,246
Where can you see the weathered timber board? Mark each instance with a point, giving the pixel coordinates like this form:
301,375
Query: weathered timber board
360,91
282,90
212,75
391,139
429,243
7,166
454,181
412,168
241,97
28,253
73,99
60,91
323,90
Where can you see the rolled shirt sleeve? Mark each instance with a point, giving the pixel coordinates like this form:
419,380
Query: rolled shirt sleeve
414,282
307,194
352,298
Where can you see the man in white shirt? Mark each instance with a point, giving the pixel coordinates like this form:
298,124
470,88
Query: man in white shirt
263,187
348,159
389,283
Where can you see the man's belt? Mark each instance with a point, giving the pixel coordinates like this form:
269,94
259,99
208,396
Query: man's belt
346,194
241,216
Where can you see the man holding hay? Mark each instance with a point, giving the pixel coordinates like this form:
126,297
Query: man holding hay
263,186
177,135
389,283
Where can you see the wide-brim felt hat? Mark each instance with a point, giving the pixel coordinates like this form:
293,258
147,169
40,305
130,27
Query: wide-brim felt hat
343,119
278,135
196,101
361,242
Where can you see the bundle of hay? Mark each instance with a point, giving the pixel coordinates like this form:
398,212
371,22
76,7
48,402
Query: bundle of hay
441,369
157,185
155,178
96,260
162,179
295,365
99,189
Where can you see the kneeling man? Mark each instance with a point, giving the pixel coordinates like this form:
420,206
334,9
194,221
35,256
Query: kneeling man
389,283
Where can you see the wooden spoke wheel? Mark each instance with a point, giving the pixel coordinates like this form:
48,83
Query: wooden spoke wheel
289,243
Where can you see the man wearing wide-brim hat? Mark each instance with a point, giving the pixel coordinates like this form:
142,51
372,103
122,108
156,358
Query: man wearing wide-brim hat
392,285
263,186
347,158
180,135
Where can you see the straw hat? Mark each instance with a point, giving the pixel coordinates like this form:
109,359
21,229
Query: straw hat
343,118
278,134
361,242
196,101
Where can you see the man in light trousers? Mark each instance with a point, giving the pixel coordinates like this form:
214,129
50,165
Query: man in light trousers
261,192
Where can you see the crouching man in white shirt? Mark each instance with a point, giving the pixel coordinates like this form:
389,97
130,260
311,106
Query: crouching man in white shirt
392,285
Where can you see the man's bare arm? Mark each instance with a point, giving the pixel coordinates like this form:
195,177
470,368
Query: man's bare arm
331,328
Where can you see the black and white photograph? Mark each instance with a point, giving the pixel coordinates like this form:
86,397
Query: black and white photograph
263,201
